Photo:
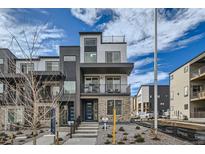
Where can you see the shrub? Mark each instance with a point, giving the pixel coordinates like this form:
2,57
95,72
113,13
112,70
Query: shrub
41,131
60,139
137,127
125,133
121,142
19,133
121,129
140,139
28,136
107,142
156,139
137,136
132,142
143,132
125,138
109,135
3,134
21,140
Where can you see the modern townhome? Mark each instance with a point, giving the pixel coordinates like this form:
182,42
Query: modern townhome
143,101
187,90
93,78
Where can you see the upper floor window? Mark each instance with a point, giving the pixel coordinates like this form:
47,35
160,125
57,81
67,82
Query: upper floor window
52,66
90,49
1,88
112,56
27,67
69,87
186,91
69,58
185,69
113,84
1,61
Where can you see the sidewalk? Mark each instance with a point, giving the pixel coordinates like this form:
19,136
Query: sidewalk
80,141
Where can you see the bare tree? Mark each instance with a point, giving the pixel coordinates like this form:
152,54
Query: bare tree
31,89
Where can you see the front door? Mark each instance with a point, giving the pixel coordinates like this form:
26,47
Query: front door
89,111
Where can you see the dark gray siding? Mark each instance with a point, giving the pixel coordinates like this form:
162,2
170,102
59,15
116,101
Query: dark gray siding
163,93
71,70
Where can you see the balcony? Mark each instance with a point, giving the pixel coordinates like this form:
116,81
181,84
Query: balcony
198,73
113,39
200,114
105,89
199,95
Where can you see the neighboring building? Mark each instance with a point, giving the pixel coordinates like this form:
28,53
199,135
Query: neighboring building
187,90
143,102
93,77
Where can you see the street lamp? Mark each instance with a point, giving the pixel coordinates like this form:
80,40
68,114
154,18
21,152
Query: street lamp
155,73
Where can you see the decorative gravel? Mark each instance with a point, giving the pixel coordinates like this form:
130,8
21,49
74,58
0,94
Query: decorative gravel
146,133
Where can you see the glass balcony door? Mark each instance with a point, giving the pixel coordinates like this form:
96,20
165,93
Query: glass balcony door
92,85
113,85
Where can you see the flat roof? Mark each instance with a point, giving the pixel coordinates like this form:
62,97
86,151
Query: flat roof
90,33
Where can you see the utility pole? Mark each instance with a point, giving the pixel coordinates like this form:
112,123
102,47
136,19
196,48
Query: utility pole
155,74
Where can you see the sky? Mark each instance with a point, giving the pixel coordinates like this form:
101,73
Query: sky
181,34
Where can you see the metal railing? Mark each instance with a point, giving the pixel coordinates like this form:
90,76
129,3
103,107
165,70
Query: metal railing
198,94
113,39
200,114
105,88
197,72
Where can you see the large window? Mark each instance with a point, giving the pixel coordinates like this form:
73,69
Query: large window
69,58
113,84
92,85
90,50
52,66
186,91
117,104
1,61
1,88
113,56
27,67
69,87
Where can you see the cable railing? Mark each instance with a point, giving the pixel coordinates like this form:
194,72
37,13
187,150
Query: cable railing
113,39
105,88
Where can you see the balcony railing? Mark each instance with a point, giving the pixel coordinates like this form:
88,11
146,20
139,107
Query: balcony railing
198,95
113,39
197,72
105,88
200,114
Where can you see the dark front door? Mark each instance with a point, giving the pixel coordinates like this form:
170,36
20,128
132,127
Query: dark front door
89,111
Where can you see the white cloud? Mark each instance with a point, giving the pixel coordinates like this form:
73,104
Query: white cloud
143,62
48,38
89,16
138,27
147,78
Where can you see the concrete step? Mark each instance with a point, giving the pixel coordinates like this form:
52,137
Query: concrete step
89,125
87,131
82,135
87,128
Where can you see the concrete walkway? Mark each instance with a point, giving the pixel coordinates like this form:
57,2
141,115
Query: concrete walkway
47,139
81,141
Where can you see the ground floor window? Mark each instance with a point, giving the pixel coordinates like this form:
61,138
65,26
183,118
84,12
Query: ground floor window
117,104
15,116
44,112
